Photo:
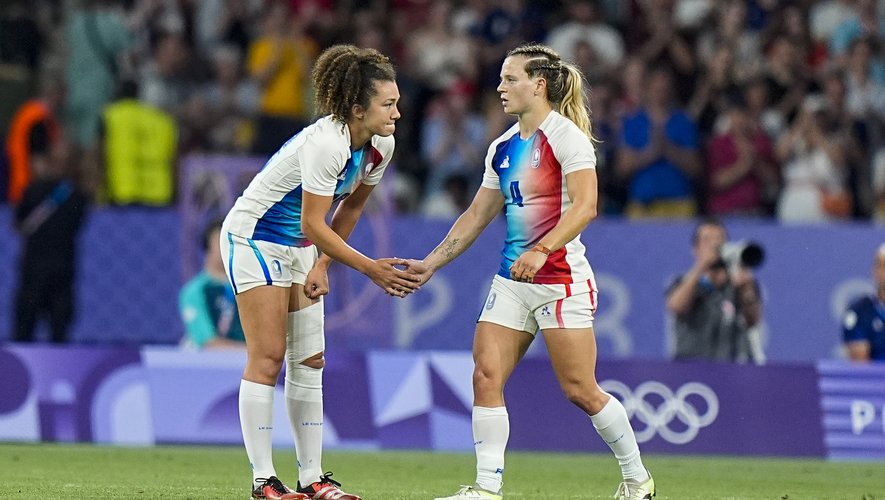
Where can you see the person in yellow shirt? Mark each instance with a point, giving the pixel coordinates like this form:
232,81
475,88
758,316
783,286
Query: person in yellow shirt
280,61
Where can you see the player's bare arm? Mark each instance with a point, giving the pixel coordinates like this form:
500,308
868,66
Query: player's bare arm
482,210
382,271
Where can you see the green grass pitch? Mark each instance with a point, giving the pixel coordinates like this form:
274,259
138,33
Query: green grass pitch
60,471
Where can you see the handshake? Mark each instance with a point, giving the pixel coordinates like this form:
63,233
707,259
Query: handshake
399,277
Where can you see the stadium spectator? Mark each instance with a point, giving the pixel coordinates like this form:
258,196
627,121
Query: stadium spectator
48,218
708,303
206,302
96,37
271,238
659,154
741,170
139,147
33,131
585,24
815,178
231,103
863,324
451,138
279,61
542,172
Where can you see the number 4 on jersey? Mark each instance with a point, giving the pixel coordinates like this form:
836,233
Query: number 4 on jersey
515,194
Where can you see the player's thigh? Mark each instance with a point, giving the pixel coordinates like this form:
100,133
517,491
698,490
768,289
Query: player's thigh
263,315
572,353
497,350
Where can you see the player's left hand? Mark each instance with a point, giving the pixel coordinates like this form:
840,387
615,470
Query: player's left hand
527,265
316,284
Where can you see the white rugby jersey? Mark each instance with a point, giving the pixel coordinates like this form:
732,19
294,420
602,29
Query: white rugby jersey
317,160
531,175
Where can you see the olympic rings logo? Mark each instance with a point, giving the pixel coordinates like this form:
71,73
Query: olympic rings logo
664,407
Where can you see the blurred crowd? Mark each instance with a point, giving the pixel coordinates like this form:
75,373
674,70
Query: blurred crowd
758,108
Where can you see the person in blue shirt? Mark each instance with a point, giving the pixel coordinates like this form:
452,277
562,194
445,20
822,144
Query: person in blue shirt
207,304
863,325
659,160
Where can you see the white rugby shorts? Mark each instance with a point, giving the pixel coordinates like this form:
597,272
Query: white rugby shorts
529,307
250,263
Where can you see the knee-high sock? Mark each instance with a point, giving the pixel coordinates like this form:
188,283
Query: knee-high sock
256,422
613,426
304,402
491,429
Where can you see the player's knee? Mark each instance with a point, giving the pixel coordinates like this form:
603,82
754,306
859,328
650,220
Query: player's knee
486,380
316,361
587,397
304,383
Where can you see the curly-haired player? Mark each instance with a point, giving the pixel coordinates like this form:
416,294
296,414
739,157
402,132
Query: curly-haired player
271,241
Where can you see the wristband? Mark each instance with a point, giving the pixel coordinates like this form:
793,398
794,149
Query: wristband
541,248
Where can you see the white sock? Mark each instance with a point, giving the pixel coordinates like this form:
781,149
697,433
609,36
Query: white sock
256,421
491,429
304,402
613,426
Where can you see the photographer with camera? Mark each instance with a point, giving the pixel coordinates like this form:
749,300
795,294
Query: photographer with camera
716,304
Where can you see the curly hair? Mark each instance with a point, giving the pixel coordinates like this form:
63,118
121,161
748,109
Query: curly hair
565,82
345,75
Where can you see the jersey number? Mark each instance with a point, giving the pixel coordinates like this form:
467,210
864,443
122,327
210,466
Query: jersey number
515,194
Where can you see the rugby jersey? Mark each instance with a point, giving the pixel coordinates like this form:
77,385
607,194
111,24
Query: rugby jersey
531,175
317,160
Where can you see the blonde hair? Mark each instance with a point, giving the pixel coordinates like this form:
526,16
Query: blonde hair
565,83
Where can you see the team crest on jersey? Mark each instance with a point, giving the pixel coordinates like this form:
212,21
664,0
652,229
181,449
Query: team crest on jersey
536,157
369,167
505,163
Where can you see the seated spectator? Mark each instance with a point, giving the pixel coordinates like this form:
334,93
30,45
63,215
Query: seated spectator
863,325
659,154
585,25
207,304
742,175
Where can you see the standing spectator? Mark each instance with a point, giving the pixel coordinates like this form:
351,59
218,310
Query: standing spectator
164,82
232,102
863,325
279,61
786,77
96,37
815,178
586,25
138,150
48,218
659,154
33,132
866,21
206,302
742,177
657,40
451,140
706,303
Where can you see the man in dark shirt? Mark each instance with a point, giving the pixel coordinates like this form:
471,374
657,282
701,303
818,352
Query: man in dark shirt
48,218
708,303
863,325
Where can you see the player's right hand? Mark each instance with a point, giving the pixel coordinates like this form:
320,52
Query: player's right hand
391,279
